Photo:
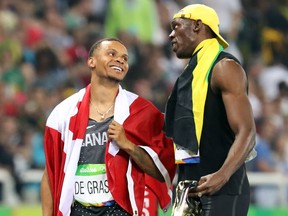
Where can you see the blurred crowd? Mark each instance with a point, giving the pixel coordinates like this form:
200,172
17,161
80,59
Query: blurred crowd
44,47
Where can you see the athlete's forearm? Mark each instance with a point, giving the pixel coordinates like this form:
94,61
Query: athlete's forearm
117,133
46,196
238,154
144,161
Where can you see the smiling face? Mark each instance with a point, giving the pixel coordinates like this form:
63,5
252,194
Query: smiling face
183,37
109,61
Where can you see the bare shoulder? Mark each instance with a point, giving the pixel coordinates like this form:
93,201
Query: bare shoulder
228,74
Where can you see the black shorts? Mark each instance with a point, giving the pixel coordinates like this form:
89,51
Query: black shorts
115,210
225,205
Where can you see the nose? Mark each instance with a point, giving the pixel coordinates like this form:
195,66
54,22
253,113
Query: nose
172,35
120,60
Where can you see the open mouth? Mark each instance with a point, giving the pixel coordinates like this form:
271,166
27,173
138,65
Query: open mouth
117,69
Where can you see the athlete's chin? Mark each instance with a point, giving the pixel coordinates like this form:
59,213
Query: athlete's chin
116,79
174,49
182,55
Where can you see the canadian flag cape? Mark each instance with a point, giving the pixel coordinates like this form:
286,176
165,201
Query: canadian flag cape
143,123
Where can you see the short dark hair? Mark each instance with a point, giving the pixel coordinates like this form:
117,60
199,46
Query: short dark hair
97,44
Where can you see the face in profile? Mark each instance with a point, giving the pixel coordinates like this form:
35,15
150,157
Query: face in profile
182,37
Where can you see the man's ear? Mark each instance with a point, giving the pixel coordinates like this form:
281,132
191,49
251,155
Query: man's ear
91,62
198,24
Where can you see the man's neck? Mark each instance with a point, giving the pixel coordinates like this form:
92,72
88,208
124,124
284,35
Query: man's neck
103,94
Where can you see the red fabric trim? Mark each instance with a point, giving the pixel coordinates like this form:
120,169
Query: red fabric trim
55,159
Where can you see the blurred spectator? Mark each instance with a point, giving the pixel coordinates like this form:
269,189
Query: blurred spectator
230,16
254,68
283,98
10,68
249,39
14,152
265,162
99,11
77,13
281,153
156,78
49,72
136,17
274,33
270,78
6,159
55,32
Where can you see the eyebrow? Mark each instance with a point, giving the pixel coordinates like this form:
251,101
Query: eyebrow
179,20
173,22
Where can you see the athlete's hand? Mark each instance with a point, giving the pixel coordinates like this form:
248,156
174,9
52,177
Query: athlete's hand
116,132
210,184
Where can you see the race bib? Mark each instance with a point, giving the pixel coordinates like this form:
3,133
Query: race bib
91,185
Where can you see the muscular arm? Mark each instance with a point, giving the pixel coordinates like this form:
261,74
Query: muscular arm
139,155
233,85
230,81
46,196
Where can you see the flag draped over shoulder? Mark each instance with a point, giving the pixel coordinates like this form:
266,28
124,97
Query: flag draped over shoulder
65,130
208,52
186,105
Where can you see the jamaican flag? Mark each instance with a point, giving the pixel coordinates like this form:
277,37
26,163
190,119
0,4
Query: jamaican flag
185,107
